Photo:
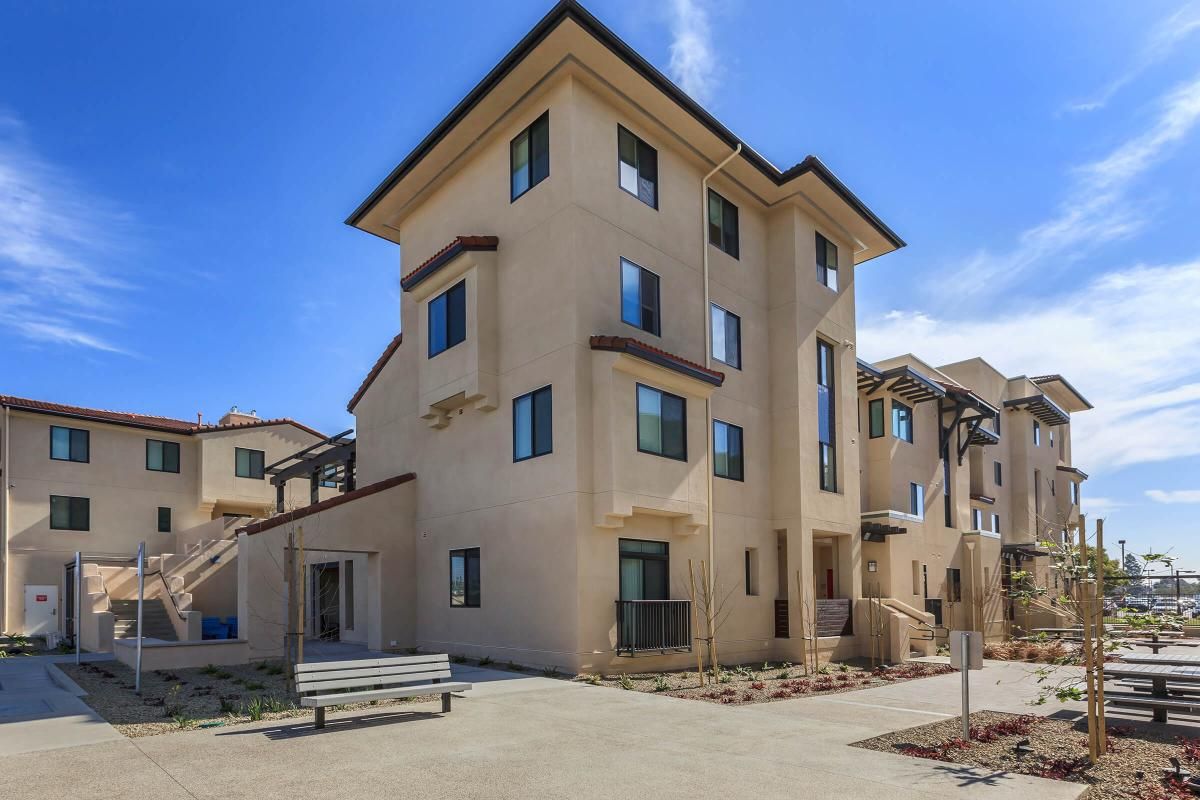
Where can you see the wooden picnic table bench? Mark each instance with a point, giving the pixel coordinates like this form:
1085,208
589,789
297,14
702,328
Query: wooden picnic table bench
1172,659
1160,699
1156,646
324,683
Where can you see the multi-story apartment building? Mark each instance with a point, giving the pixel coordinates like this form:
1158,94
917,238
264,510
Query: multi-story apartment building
99,482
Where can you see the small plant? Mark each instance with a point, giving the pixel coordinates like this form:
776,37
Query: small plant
594,678
260,666
844,667
209,669
254,686
661,684
515,667
724,677
274,668
254,709
550,672
274,705
183,721
223,675
784,674
17,639
228,706
456,659
171,706
412,651
823,669
483,662
626,682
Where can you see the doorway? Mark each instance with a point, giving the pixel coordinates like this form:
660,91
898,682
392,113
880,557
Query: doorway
325,597
41,609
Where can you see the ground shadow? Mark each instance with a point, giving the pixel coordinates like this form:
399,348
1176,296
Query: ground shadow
972,776
294,730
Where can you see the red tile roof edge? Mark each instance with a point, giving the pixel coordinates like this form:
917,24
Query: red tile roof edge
325,505
262,423
627,344
460,244
380,363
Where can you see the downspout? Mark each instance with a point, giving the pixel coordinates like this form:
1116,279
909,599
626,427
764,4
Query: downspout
708,415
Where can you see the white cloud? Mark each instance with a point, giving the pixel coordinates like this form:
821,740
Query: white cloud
1098,505
1172,497
693,60
57,250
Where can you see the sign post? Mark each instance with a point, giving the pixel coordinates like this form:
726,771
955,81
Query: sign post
141,573
966,654
78,601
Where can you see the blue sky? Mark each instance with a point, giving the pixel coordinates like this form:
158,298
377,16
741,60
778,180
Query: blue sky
173,180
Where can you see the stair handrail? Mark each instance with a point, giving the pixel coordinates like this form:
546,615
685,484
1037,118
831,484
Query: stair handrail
167,588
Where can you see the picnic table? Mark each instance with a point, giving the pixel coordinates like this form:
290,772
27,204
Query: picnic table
1160,699
1173,659
1156,646
1060,633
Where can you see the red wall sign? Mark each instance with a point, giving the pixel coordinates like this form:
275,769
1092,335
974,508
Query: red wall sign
41,598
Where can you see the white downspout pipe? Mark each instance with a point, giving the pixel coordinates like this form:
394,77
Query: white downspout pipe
708,415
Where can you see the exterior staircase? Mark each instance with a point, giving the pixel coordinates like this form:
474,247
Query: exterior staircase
155,622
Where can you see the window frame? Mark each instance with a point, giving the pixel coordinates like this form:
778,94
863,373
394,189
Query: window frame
643,556
641,305
167,509
724,204
445,295
997,473
823,268
916,500
638,144
741,437
527,131
638,421
953,585
467,554
1037,433
87,444
72,507
727,315
250,464
163,456
995,523
977,519
533,443
827,360
876,403
911,435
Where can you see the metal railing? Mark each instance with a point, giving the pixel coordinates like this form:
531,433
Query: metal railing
653,625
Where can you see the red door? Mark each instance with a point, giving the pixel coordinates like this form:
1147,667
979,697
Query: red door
829,583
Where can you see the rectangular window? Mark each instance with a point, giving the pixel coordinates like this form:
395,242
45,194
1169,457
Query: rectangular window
722,223
639,297
164,519
1037,433
998,473
947,488
1052,437
448,319
69,444
726,336
916,500
827,263
995,523
464,578
638,167
826,422
533,429
1037,491
751,571
954,585
976,519
248,463
1074,493
348,583
875,412
162,456
644,570
530,156
1053,487
661,423
902,421
727,451
70,513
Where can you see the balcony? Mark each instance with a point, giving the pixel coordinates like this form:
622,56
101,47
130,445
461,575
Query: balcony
653,626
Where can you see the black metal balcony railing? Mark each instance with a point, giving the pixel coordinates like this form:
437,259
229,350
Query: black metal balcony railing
654,625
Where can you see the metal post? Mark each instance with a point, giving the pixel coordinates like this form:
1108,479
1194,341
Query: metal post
965,664
141,573
78,601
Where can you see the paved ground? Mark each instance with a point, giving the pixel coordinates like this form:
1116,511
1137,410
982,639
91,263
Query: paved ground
37,713
519,736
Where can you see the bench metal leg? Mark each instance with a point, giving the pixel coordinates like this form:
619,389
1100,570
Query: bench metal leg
446,703
320,717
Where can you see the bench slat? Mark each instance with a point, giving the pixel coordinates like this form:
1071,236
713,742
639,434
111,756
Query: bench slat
381,694
362,672
376,680
325,666
1151,702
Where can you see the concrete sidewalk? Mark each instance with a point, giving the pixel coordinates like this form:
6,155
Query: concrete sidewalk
38,712
517,736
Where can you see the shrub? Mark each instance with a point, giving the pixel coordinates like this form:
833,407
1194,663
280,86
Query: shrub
483,662
626,682
550,672
661,684
254,709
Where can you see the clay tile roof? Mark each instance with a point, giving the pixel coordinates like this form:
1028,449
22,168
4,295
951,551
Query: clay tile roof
332,502
626,344
261,423
460,244
380,363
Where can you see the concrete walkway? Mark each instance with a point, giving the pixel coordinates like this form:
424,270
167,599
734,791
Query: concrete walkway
41,711
518,736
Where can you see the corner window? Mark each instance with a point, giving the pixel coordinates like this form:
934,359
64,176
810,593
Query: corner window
464,578
644,570
448,319
976,519
1037,433
827,263
727,451
875,412
722,223
533,429
902,421
995,523
826,421
638,167
529,156
248,463
69,444
661,423
164,519
70,513
639,297
998,473
916,500
162,456
726,336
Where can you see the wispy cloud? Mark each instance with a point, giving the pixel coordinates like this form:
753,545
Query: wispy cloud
1178,496
58,247
1099,505
1162,42
693,59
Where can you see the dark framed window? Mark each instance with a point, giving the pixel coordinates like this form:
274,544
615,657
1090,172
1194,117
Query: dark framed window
954,585
661,423
248,463
162,456
644,570
726,336
947,498
448,319
1037,433
998,473
976,519
916,500
70,513
902,421
875,418
464,578
164,519
727,451
722,223
752,571
827,263
1053,487
348,587
826,417
70,444
639,297
529,156
1074,493
533,424
637,165
329,476
995,523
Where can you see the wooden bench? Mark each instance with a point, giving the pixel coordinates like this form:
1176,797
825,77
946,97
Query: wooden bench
325,683
1160,705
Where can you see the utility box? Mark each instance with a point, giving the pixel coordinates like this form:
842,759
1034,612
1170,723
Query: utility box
974,650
